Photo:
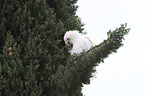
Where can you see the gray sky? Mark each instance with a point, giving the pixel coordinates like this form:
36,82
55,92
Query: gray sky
123,73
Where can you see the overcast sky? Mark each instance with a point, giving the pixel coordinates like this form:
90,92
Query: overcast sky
123,73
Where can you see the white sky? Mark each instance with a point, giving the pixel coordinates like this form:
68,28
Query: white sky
123,73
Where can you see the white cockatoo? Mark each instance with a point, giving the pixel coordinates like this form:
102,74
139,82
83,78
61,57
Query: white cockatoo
77,41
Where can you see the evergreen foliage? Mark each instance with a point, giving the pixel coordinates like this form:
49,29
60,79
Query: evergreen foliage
33,60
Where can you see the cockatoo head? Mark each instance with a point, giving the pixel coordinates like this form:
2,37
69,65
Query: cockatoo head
70,37
76,42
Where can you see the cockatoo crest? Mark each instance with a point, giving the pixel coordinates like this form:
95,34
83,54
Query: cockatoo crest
79,42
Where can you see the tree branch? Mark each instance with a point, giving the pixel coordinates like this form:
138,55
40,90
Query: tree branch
79,69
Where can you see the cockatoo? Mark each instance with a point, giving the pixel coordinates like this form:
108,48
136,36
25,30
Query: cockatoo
77,41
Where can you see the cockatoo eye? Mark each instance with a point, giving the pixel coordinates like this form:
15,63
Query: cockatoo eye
68,39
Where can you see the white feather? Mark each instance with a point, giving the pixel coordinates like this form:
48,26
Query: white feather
79,41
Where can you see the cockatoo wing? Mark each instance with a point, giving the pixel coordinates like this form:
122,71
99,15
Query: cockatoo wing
83,43
87,43
90,41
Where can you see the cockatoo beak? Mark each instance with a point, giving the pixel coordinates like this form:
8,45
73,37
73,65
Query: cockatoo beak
67,45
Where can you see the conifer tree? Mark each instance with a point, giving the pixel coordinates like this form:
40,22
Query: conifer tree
33,60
